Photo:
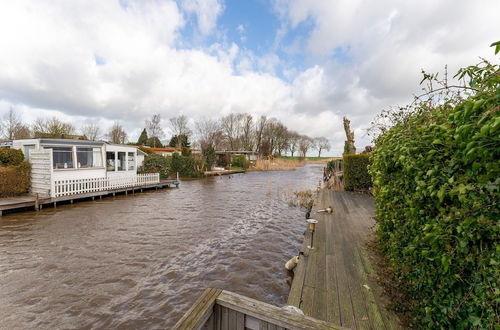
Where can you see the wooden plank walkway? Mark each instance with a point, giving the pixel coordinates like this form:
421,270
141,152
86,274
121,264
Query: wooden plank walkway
336,281
19,202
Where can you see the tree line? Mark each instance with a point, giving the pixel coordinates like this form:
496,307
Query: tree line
234,132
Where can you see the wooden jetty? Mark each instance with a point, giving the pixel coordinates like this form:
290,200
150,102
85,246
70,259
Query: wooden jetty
336,281
36,203
334,284
217,309
223,172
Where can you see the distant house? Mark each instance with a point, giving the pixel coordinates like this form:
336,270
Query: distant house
69,166
223,156
167,151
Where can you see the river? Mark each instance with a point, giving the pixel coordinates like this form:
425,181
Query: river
140,261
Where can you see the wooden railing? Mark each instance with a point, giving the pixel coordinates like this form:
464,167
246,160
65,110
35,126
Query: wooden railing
217,309
83,186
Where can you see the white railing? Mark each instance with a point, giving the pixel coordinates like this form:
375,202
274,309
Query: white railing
83,186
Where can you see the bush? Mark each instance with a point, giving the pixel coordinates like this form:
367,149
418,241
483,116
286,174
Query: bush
356,176
15,180
185,166
241,161
436,183
11,157
209,157
154,163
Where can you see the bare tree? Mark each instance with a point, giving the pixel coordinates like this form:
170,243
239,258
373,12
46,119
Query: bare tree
11,127
305,144
52,128
259,132
231,126
178,126
281,138
247,132
90,131
116,134
209,133
321,143
293,144
154,129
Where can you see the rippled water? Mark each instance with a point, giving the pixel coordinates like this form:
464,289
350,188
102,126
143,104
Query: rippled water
140,261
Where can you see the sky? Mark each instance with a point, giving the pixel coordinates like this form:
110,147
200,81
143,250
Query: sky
307,63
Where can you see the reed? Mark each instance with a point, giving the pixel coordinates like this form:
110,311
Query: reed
276,164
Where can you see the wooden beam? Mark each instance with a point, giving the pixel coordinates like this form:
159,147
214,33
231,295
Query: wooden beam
271,314
200,311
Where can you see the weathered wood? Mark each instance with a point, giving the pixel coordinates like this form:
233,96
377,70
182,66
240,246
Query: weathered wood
269,313
200,311
336,282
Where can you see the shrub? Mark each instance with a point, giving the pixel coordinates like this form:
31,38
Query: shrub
436,184
185,166
209,157
15,180
11,157
241,161
154,163
356,176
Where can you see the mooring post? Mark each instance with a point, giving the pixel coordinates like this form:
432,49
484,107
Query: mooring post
36,202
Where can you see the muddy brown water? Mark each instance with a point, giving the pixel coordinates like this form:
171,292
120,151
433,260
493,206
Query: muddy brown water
140,261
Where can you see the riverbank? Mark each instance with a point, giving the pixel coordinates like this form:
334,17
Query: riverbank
336,280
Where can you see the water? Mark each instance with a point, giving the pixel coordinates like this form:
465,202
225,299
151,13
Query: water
140,261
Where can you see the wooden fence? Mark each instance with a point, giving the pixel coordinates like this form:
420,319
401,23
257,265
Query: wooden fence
83,186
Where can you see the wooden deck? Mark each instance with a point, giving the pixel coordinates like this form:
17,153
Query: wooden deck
23,202
336,281
216,309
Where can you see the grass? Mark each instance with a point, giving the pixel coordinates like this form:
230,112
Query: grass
314,159
277,164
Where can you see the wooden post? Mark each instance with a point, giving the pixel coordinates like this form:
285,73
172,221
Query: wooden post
36,202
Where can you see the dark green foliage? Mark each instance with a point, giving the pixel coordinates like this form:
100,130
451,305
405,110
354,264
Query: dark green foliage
181,141
11,156
209,157
185,166
154,142
154,163
334,164
346,148
186,152
436,183
241,161
15,179
143,138
356,176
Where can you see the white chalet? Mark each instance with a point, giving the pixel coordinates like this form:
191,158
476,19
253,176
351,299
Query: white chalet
62,167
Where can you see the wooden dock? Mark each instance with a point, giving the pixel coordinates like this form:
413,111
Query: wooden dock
36,203
217,309
336,281
223,172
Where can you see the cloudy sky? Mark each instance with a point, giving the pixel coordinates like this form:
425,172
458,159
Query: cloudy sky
305,62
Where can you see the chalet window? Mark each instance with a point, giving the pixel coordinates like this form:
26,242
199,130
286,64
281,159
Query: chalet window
131,161
88,157
62,157
110,161
121,161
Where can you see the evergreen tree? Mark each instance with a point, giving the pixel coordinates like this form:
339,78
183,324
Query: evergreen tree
143,138
154,142
179,141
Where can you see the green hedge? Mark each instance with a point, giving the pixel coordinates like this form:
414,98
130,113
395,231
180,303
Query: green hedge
241,161
356,176
154,163
11,157
15,180
436,184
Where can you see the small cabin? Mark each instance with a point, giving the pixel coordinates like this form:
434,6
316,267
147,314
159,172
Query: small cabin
70,166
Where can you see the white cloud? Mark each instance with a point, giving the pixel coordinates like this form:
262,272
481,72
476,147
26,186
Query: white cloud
206,11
